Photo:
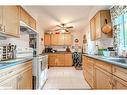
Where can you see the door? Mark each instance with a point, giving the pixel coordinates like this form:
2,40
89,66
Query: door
92,29
119,83
47,39
54,38
103,79
68,60
10,83
25,79
67,39
60,39
98,25
11,20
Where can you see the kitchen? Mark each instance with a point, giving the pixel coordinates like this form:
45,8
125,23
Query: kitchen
54,47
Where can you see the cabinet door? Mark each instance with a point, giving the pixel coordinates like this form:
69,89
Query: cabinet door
47,39
68,60
1,17
32,22
54,39
61,39
11,20
25,79
67,39
119,83
60,60
10,83
52,60
92,29
98,25
103,79
24,16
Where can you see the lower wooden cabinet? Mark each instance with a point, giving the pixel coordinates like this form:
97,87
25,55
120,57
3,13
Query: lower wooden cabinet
10,83
17,77
103,79
119,83
103,75
68,60
60,60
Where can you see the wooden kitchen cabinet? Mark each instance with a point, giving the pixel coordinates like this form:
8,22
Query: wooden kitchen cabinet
52,60
10,83
92,29
47,39
60,60
27,19
119,83
61,39
97,22
25,79
54,39
88,71
58,39
68,60
103,79
32,22
24,16
17,77
1,18
67,39
11,23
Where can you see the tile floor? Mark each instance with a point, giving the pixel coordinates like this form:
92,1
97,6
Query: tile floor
65,78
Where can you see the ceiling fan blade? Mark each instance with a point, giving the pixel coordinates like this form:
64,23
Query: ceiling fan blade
66,30
70,27
57,29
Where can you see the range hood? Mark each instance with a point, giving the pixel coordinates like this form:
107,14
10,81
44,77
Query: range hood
25,28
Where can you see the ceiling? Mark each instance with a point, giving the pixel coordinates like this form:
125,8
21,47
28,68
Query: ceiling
76,16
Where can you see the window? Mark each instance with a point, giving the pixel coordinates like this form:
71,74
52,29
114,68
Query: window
121,23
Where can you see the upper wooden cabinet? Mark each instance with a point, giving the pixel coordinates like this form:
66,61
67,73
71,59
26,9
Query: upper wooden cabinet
27,19
11,23
92,29
47,39
54,39
58,39
97,22
1,17
24,16
67,39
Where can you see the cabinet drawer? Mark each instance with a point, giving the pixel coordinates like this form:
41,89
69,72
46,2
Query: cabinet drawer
119,83
120,72
105,66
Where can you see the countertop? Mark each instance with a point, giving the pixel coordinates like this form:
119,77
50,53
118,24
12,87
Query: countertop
9,63
58,52
105,59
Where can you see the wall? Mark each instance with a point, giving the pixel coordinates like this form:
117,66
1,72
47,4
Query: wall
102,43
23,41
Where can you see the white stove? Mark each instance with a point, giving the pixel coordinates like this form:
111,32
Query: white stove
40,70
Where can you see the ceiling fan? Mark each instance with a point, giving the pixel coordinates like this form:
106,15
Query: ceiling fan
63,27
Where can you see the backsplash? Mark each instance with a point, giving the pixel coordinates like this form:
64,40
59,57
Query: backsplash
23,41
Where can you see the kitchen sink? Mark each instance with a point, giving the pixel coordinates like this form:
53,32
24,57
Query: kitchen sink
117,59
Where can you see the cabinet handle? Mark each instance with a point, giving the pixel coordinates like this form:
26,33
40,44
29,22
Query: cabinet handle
4,29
